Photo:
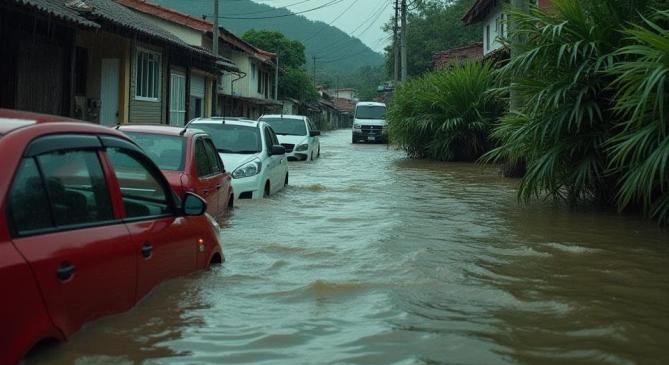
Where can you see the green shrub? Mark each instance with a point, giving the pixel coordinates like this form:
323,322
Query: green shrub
591,125
447,114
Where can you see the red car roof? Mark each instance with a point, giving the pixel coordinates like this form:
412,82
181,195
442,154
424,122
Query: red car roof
11,119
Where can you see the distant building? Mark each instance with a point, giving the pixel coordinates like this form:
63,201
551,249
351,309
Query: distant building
442,59
343,93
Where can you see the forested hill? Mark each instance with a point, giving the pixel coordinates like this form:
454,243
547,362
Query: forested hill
335,50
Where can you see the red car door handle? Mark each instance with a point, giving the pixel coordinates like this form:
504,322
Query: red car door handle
205,191
147,250
65,271
218,187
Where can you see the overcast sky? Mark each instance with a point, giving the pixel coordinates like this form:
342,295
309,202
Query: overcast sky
373,13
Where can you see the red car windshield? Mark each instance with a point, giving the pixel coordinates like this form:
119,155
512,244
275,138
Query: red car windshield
166,151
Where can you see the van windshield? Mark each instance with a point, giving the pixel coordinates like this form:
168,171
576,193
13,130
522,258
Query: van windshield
370,112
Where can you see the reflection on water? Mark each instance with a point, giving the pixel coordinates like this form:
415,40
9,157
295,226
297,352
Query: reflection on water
369,258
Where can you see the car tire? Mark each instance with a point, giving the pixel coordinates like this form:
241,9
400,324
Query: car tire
319,152
285,183
312,155
231,202
267,191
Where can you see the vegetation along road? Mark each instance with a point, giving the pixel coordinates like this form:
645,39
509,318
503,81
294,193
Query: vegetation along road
372,258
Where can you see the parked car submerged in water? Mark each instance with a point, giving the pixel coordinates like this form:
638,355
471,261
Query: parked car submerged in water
188,158
369,122
297,134
88,226
251,150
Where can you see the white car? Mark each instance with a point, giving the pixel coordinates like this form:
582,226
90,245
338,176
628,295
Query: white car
297,134
369,122
251,151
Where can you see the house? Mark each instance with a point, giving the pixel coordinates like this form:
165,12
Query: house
193,87
246,85
90,59
442,59
248,92
489,12
344,93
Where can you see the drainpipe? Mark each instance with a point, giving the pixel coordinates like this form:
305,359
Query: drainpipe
240,75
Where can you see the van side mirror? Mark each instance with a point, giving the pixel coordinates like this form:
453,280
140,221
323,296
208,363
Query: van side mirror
193,205
277,150
314,133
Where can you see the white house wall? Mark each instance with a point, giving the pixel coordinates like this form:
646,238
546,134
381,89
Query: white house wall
494,25
186,34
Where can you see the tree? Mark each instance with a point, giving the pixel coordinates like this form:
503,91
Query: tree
293,80
291,52
434,26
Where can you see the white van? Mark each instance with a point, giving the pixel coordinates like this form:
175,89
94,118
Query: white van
369,122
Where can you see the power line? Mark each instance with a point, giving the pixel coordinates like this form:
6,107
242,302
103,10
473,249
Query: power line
332,2
330,23
285,7
375,16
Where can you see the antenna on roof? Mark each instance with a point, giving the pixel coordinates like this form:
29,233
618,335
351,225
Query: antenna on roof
183,131
118,125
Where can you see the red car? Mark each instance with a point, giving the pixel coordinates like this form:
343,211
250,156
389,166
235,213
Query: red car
189,160
88,226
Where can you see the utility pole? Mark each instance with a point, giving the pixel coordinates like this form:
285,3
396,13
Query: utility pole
215,49
403,35
396,48
314,57
276,78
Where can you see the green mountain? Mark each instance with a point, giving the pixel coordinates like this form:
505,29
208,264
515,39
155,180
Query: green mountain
336,52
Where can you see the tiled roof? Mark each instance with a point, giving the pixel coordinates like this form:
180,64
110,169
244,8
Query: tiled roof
57,8
472,51
197,24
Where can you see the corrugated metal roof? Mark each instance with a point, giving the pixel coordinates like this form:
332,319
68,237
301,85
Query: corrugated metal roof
57,8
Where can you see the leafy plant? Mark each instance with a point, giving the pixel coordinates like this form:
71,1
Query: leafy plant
640,149
566,116
446,115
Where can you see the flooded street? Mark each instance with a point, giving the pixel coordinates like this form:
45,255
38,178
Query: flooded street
369,258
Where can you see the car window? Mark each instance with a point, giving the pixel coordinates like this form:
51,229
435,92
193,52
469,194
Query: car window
268,139
274,138
312,126
214,159
202,164
143,194
76,187
70,190
166,151
28,202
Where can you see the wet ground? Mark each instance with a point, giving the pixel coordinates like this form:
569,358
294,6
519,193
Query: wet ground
369,258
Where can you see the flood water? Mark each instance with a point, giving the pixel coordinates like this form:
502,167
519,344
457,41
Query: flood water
370,258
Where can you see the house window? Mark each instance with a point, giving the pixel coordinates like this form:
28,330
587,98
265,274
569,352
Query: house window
260,80
253,71
487,37
147,75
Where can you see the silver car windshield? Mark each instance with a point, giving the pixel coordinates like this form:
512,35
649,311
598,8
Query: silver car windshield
233,138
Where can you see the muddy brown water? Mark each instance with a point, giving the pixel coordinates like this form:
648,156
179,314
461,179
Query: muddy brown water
369,258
